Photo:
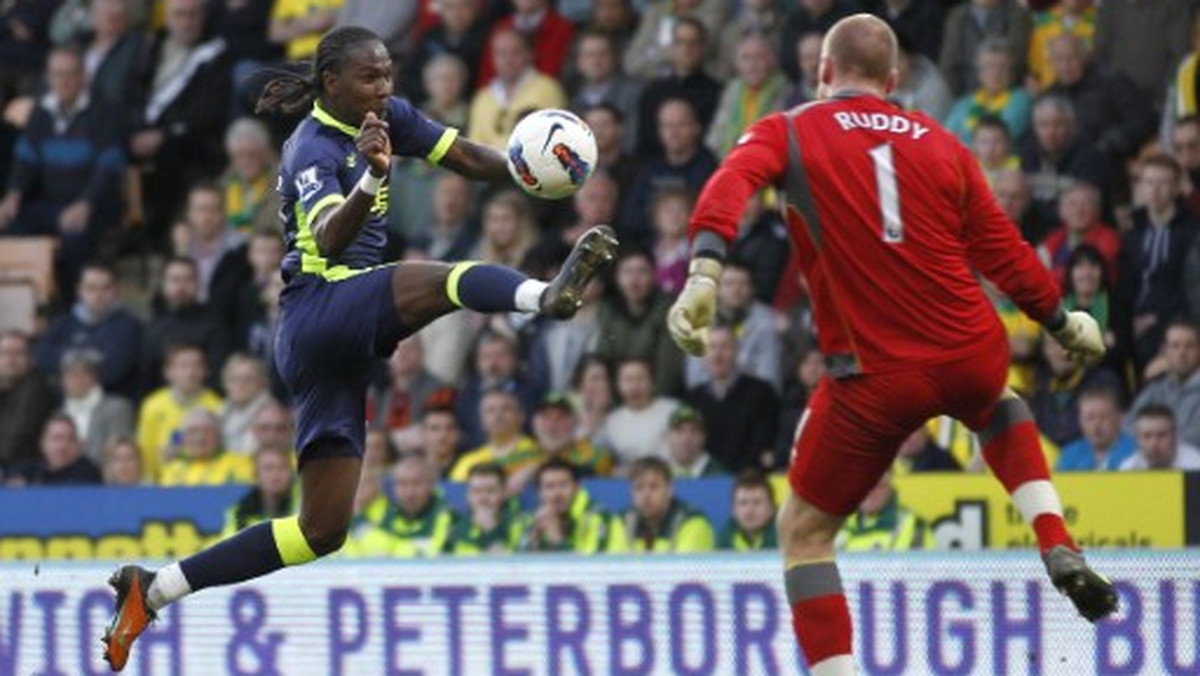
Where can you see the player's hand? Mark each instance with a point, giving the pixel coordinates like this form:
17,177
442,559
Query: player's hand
693,311
1081,337
375,145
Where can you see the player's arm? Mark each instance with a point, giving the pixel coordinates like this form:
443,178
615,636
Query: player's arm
336,226
475,161
415,135
758,159
996,249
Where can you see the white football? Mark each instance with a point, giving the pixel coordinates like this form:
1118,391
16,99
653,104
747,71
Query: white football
551,153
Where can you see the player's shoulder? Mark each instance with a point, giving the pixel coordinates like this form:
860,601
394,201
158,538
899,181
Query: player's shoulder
399,109
312,143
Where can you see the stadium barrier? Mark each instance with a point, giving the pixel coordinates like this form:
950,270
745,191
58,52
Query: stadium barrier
1142,510
915,613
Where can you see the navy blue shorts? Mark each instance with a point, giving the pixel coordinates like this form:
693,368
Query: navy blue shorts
330,334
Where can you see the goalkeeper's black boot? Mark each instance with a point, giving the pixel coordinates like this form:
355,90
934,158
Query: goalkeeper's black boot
133,614
1091,592
594,251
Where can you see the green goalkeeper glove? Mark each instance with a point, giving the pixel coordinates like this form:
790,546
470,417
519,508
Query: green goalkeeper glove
693,311
1080,336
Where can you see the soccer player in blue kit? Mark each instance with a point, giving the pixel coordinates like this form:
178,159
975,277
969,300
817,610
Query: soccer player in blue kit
341,309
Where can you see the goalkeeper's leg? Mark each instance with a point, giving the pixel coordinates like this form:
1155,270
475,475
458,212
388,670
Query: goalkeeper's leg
329,478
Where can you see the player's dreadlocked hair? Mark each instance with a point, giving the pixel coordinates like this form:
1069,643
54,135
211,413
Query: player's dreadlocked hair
291,93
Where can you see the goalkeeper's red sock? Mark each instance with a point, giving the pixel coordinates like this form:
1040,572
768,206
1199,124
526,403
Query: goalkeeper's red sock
1013,449
820,617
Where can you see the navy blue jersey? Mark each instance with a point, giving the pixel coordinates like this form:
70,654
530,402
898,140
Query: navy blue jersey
321,165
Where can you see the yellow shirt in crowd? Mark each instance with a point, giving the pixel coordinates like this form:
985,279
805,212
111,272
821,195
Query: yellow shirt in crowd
159,420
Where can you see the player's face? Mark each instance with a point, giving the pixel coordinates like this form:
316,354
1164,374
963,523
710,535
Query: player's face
554,429
364,84
596,60
501,416
123,466
635,385
485,493
60,445
274,473
201,437
186,371
1186,140
15,361
685,441
180,285
1182,350
1086,277
652,495
1160,187
1099,420
556,490
97,291
635,278
412,485
752,509
1156,441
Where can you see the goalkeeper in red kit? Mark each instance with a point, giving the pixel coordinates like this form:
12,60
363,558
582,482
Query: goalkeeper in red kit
890,216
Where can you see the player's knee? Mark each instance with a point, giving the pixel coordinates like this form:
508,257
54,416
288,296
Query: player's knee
804,532
324,540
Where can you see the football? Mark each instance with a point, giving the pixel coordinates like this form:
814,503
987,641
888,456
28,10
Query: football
551,153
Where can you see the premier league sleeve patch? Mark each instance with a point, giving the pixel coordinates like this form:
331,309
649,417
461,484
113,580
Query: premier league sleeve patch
308,183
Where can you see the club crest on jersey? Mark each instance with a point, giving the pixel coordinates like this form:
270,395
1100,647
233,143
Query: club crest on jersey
571,162
352,160
516,155
307,183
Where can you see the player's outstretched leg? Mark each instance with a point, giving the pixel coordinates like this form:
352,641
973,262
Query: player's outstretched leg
1013,450
328,483
820,616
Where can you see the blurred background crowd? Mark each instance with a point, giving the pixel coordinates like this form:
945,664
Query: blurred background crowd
140,246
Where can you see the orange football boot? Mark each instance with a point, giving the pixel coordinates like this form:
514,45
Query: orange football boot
132,615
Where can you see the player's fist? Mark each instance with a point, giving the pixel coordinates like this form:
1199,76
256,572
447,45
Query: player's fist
1080,336
693,311
375,144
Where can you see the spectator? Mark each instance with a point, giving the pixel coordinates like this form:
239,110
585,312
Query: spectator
244,379
1024,339
918,22
24,38
741,411
763,244
111,56
601,81
460,33
969,26
514,90
751,322
810,368
592,387
378,449
882,524
685,80
1104,446
98,321
757,90
183,110
1154,256
272,426
1055,399
638,427
455,232
546,32
659,522
1012,192
163,411
248,305
446,82
566,519
635,321
918,453
62,461
672,249
684,162
554,429
1158,444
919,83
180,318
609,129
557,347
439,438
1142,40
495,368
1182,102
596,203
991,144
368,494
755,17
273,496
395,22
99,416
122,463
1179,387
417,524
399,405
1110,111
1076,18
1057,156
509,231
687,453
204,237
995,95
505,445
201,459
654,48
808,55
65,171
299,24
26,402
245,28
1079,211
488,526
751,527
251,202
1088,289
1185,144
810,16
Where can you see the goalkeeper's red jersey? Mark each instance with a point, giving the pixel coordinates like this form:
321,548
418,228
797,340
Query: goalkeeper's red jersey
889,214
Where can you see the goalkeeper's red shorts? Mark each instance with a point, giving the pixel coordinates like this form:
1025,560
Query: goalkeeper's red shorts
850,433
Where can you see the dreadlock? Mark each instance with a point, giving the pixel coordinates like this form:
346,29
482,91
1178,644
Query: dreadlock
291,93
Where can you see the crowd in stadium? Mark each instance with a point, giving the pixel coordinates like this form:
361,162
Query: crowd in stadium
129,135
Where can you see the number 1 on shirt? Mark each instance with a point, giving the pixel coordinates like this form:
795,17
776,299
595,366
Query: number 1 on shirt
889,196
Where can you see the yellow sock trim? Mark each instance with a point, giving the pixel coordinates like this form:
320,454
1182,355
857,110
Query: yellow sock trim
289,540
456,273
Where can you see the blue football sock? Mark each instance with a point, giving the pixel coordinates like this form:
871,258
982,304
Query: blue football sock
485,288
260,549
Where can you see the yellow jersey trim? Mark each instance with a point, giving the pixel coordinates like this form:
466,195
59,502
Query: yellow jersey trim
330,121
442,146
